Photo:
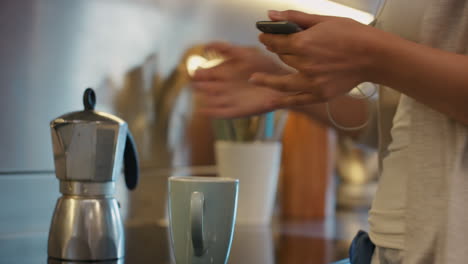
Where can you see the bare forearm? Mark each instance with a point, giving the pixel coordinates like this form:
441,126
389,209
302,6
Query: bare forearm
346,111
433,77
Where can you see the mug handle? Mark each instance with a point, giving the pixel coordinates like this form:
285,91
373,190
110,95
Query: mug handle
197,211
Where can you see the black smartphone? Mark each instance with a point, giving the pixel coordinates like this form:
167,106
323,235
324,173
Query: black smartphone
278,27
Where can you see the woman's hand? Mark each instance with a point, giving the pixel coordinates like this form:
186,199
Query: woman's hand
332,55
224,91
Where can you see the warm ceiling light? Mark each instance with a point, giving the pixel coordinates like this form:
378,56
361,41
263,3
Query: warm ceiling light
320,7
196,61
324,7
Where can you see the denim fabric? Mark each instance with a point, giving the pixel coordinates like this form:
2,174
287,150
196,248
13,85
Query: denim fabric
344,261
361,249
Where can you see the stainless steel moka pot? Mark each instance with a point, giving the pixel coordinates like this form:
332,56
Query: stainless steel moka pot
88,150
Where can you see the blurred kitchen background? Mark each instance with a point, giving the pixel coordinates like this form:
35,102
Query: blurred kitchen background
134,53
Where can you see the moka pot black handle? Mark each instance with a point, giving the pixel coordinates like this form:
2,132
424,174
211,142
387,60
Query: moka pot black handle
131,169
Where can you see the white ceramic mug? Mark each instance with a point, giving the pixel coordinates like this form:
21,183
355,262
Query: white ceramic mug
202,212
256,165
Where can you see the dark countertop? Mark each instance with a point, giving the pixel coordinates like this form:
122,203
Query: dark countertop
293,242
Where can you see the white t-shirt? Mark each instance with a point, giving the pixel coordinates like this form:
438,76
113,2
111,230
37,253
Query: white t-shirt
387,216
436,171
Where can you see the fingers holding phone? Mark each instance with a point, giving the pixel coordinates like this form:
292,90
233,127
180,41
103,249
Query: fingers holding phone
334,54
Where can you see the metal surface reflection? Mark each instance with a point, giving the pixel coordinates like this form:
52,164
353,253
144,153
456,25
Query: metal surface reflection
252,244
89,229
150,244
55,261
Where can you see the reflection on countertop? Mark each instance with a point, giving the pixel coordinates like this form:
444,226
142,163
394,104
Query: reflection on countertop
284,243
